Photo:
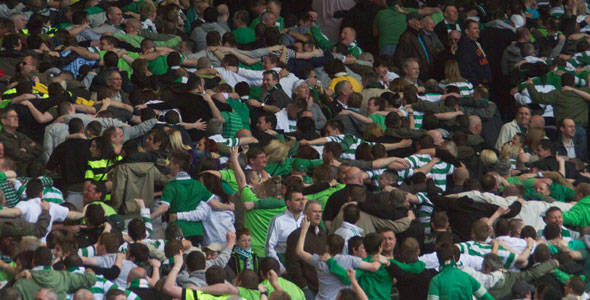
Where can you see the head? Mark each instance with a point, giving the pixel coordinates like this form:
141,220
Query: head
472,30
9,119
413,20
545,148
295,200
491,262
94,191
523,116
373,243
480,231
567,128
554,215
313,211
427,24
347,35
270,79
114,15
256,158
451,14
114,80
411,69
244,238
46,294
356,247
389,240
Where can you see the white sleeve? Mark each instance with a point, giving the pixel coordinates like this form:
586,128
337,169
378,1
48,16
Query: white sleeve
202,211
272,239
254,76
430,259
58,213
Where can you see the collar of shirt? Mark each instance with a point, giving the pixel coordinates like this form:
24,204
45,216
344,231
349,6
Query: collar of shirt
182,175
38,268
355,229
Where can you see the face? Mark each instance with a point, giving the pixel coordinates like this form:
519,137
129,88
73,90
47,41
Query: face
244,241
28,65
274,8
58,251
302,91
115,81
454,37
202,145
360,251
428,24
11,120
262,125
415,23
296,203
568,128
347,90
385,181
94,152
104,45
258,163
269,19
542,188
115,17
523,116
89,193
473,31
381,70
543,152
554,217
388,241
347,36
314,213
372,106
267,63
412,71
451,14
117,138
268,81
211,254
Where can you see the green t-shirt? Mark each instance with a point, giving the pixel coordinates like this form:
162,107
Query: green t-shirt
244,35
289,287
228,180
242,110
377,285
184,194
324,195
158,66
258,221
379,119
391,24
248,294
256,21
122,64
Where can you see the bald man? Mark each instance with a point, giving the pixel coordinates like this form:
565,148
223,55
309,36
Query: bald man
436,136
46,294
537,121
83,294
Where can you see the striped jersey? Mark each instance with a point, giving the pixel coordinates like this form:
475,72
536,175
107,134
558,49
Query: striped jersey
230,142
101,287
438,173
349,144
465,87
479,249
50,193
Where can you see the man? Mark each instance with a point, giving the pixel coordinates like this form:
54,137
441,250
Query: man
449,24
512,54
567,103
70,160
183,194
473,61
282,225
411,44
287,117
578,215
516,126
389,241
411,68
301,272
113,23
45,281
273,96
430,38
107,255
451,282
18,146
31,209
546,154
342,90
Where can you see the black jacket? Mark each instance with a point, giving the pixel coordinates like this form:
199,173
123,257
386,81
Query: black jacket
473,63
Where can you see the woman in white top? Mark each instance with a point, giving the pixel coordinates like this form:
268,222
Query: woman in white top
216,214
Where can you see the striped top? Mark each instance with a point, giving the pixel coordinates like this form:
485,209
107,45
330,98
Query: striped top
425,209
479,249
349,144
101,287
230,142
438,173
50,193
465,87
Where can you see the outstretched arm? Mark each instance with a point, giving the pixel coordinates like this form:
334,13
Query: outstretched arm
305,256
235,165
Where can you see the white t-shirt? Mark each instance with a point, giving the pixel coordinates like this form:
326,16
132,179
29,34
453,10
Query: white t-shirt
31,210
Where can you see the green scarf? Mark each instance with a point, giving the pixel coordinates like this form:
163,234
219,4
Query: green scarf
246,256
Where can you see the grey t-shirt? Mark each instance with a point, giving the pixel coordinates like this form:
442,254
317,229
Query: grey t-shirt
329,285
108,260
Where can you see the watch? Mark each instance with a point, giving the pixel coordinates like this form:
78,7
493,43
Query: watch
262,104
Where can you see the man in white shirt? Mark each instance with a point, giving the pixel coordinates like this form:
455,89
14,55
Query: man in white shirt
282,225
31,209
348,229
287,117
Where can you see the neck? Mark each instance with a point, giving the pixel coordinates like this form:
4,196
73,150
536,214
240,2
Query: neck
295,214
10,130
566,139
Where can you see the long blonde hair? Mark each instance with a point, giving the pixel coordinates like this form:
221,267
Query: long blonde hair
452,72
176,144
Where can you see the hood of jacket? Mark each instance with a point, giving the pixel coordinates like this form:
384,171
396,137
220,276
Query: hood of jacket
47,278
499,24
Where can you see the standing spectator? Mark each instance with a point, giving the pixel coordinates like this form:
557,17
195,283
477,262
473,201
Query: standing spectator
449,24
411,44
472,59
17,146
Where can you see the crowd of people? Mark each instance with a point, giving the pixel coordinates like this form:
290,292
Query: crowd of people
310,149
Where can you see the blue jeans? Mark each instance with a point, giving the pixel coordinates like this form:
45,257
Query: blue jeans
387,49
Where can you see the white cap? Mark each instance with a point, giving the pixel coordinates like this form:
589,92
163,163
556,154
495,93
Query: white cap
517,20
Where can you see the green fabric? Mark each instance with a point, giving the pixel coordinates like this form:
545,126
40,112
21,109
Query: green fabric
5,275
320,39
579,214
185,195
242,110
244,35
391,24
566,104
379,119
61,282
452,283
256,21
258,221
135,40
134,6
269,203
248,294
94,10
377,285
122,64
108,210
228,177
158,66
289,287
414,268
338,271
324,195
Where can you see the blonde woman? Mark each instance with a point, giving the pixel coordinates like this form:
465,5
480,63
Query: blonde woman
453,77
488,157
176,144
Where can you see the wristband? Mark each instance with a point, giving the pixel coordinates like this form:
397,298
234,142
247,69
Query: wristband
265,293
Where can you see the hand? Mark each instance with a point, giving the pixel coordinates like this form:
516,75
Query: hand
381,259
230,238
530,242
305,224
254,103
529,81
200,124
513,91
262,288
234,153
566,88
349,59
24,274
141,106
503,210
305,142
272,276
207,97
45,205
248,205
231,206
405,143
345,112
326,256
155,263
107,227
178,260
172,217
139,202
351,273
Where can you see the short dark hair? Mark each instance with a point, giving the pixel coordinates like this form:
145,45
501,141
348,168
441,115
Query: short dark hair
34,188
195,261
335,244
136,229
183,159
351,214
42,257
73,261
214,275
502,227
446,251
372,242
248,279
267,264
95,215
172,248
139,252
273,73
552,231
75,126
111,241
568,79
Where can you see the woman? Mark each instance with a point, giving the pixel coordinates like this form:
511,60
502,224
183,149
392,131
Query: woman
453,77
114,135
216,214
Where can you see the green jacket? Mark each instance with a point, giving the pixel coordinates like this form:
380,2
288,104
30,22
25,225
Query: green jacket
452,283
579,214
504,287
135,40
61,282
566,104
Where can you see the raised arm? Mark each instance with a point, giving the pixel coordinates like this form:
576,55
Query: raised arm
214,110
170,287
584,95
305,256
235,165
